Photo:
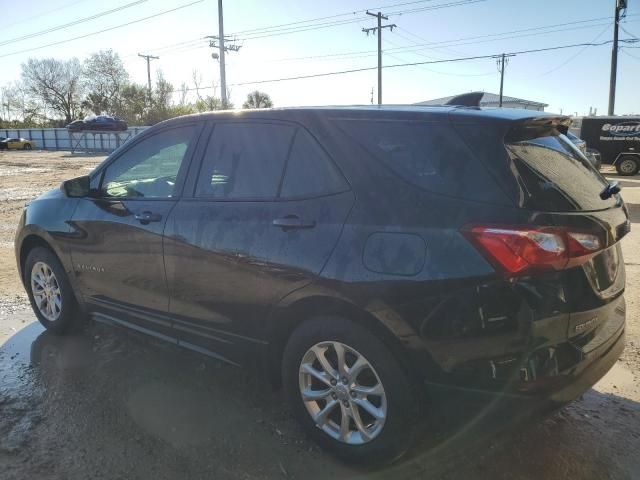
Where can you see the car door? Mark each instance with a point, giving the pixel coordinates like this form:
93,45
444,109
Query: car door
118,256
13,144
266,210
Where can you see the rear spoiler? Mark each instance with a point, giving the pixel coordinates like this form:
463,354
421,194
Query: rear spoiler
471,99
534,127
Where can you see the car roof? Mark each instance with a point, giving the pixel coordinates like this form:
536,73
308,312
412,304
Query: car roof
474,114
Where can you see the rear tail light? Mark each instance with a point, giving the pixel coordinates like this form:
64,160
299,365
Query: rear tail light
524,250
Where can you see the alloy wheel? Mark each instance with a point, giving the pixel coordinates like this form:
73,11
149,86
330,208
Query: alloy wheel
342,392
46,291
627,166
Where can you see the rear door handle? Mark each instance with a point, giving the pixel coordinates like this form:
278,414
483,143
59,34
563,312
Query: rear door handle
291,222
147,217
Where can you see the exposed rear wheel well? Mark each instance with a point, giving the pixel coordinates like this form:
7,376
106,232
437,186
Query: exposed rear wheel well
288,320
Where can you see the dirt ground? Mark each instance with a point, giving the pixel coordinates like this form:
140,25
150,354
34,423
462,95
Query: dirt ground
108,404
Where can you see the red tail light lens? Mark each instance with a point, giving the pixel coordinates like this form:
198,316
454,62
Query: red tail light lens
520,251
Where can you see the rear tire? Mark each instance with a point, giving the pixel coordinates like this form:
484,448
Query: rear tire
380,426
27,146
628,165
50,292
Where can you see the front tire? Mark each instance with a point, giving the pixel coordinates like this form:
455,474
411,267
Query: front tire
50,292
348,391
628,165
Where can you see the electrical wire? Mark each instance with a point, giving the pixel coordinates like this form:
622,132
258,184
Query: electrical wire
435,7
101,31
471,40
71,24
629,54
355,12
41,14
448,60
317,26
575,55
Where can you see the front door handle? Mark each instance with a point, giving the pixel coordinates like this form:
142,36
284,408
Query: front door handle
147,217
291,222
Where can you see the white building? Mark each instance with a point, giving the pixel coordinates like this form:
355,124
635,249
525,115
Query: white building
493,100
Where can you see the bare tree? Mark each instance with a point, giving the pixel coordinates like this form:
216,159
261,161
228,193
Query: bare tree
56,83
208,102
184,91
258,99
17,106
104,77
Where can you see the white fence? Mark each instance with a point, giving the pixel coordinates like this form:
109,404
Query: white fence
62,139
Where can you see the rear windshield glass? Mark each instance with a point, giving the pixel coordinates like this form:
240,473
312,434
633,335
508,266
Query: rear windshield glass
431,156
556,176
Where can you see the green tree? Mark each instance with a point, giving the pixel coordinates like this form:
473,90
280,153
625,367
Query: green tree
258,99
104,77
133,106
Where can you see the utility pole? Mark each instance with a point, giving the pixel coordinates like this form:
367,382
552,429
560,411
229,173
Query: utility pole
220,39
620,5
502,61
223,74
501,78
148,58
378,30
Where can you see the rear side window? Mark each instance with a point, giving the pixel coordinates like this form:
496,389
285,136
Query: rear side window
556,177
429,155
309,171
244,161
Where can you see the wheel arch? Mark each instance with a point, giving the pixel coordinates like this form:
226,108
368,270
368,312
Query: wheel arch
30,242
621,155
288,317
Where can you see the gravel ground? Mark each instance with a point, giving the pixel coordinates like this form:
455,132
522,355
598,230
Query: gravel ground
109,404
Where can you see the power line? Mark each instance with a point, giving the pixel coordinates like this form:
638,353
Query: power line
454,42
355,12
42,14
305,28
437,7
448,60
623,50
625,30
423,67
577,54
71,24
422,39
101,31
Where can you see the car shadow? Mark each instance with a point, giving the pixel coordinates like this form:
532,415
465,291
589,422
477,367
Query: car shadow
108,400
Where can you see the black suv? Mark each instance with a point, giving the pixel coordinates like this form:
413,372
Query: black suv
361,254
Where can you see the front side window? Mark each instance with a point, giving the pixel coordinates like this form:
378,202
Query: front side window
150,168
244,161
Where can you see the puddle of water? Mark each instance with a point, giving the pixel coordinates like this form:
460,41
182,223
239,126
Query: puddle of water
17,348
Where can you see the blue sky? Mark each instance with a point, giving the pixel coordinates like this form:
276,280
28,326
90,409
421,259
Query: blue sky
570,80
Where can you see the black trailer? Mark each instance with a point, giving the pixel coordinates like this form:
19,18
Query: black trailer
617,139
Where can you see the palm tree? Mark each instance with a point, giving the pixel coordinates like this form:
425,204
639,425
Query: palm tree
258,99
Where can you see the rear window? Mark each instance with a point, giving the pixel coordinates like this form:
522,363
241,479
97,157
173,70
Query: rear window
555,176
431,156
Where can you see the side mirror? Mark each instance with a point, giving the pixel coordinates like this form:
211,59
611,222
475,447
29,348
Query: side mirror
76,187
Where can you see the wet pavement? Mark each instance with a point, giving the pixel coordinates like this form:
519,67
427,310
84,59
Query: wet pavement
111,404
